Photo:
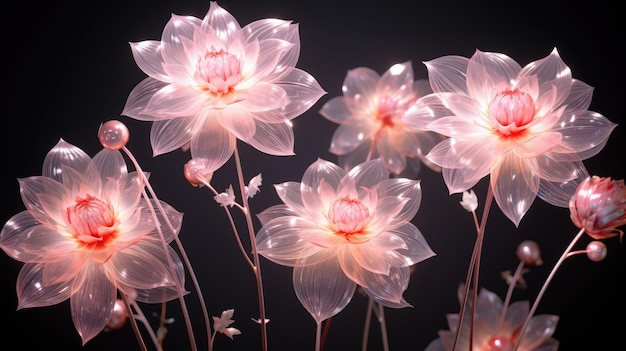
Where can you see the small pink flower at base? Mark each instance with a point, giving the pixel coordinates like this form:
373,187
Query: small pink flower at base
211,82
87,232
489,335
599,207
369,117
339,229
527,128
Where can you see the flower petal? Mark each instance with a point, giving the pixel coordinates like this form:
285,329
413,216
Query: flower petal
514,186
213,143
31,292
64,154
284,240
273,138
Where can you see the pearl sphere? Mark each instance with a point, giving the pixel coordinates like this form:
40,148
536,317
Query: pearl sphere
113,135
596,251
196,172
529,253
118,316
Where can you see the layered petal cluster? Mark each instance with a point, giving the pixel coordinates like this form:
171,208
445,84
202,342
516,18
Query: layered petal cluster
528,128
370,124
491,332
86,232
599,207
340,229
211,82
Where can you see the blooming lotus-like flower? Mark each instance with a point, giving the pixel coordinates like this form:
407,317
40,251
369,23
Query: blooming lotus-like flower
599,207
528,128
212,82
491,332
87,232
369,117
339,229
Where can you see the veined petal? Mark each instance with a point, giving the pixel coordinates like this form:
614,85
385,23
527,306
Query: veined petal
174,101
402,188
31,292
225,25
93,303
274,212
579,97
360,83
368,174
108,164
303,91
266,64
169,219
458,181
485,71
64,154
322,288
237,121
539,329
389,152
177,31
347,137
140,96
169,135
280,241
144,266
289,193
148,56
62,269
25,239
551,72
538,145
336,110
262,97
559,193
318,171
464,107
515,186
44,198
398,77
586,132
369,258
456,127
358,155
447,74
424,111
415,248
273,138
214,143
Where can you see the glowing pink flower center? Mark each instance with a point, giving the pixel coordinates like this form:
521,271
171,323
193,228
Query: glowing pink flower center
499,343
93,221
220,70
388,111
348,216
512,109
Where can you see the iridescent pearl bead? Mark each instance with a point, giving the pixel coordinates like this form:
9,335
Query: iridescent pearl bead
596,251
113,135
197,173
118,316
529,253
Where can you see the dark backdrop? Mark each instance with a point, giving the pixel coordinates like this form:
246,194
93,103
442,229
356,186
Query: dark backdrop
70,68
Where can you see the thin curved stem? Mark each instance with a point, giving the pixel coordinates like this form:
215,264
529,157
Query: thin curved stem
133,324
318,336
471,271
383,326
169,258
255,253
509,293
545,286
368,321
325,332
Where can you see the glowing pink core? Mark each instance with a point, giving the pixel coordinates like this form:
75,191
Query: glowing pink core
499,343
348,217
387,113
512,109
93,221
220,70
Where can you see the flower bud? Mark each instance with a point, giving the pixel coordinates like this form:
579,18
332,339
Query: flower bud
599,207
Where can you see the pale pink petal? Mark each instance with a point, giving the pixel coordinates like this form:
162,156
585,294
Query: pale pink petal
261,97
289,193
273,138
93,303
274,212
401,188
174,101
261,62
143,266
169,135
149,58
424,111
302,90
386,241
516,313
579,97
360,83
170,224
224,24
368,174
369,258
358,155
387,289
514,187
415,248
538,145
322,288
458,180
108,164
272,28
559,193
283,240
398,77
31,292
447,74
347,137
24,239
485,71
154,295
551,72
336,110
140,96
44,198
388,149
237,121
319,170
213,142
177,31
64,154
456,127
540,328
585,131
463,107
64,268
128,196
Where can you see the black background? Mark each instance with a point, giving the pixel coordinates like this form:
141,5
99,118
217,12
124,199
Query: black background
70,68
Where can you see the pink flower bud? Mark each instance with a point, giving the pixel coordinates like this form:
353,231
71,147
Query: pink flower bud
599,207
